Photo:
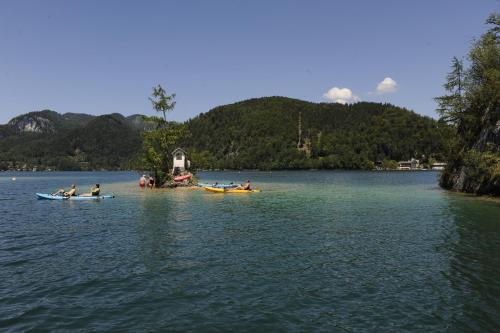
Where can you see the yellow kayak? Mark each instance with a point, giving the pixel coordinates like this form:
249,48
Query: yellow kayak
221,190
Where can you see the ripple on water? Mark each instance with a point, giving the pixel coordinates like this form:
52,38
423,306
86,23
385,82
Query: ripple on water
315,251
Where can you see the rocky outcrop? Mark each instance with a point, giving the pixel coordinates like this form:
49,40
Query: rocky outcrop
489,136
477,170
33,124
45,121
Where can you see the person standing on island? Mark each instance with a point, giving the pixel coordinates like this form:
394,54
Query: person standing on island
142,181
151,182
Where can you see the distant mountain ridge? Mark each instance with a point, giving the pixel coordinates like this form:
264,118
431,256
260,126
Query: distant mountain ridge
70,141
48,121
260,133
37,122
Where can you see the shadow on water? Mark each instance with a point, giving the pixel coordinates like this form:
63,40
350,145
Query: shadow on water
472,244
160,225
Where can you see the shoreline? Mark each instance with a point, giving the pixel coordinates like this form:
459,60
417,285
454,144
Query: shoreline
226,170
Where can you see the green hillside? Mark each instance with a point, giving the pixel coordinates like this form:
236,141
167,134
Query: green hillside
79,143
264,133
261,133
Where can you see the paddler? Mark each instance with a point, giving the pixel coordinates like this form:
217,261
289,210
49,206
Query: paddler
70,193
245,186
94,191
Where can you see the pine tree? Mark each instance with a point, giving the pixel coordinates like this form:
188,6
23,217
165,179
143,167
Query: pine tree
451,107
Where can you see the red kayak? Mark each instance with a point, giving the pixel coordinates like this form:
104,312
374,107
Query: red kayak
182,178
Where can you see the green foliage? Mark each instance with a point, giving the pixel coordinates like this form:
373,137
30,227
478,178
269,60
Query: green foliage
159,144
389,164
479,172
263,134
254,134
484,167
473,109
201,160
157,148
161,101
451,107
105,142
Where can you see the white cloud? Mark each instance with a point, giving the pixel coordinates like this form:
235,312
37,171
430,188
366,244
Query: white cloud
386,86
341,95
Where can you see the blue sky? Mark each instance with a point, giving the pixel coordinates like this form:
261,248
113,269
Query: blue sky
105,56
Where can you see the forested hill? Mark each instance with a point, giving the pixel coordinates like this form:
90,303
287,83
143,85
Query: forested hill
261,133
264,133
49,140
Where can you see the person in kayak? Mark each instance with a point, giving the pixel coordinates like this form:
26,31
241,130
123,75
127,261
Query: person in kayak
142,181
245,186
70,193
94,191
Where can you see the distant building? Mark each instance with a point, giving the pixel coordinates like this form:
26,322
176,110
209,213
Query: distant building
181,163
438,166
412,164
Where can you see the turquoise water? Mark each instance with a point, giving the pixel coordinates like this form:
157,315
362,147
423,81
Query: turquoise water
315,251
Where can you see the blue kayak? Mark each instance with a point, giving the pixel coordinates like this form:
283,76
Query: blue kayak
217,186
47,196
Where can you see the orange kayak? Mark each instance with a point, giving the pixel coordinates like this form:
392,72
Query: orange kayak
182,178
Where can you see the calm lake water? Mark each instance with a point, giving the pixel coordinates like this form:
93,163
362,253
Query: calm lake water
315,251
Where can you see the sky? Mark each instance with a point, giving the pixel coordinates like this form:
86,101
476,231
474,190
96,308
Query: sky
102,57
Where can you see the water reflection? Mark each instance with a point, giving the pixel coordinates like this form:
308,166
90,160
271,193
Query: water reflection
471,245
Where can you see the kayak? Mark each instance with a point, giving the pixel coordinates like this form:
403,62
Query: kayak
47,196
223,190
217,186
182,178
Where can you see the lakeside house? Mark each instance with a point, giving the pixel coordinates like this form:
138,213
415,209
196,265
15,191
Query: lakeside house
412,164
181,163
438,166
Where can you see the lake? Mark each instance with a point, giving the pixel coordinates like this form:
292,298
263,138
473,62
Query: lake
322,251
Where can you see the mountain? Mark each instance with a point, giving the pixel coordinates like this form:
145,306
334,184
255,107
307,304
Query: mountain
45,121
138,122
76,119
70,141
260,133
264,133
106,142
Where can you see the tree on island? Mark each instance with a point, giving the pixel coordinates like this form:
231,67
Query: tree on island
162,102
159,143
473,108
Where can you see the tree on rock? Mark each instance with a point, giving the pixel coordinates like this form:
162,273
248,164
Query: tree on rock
160,142
473,107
